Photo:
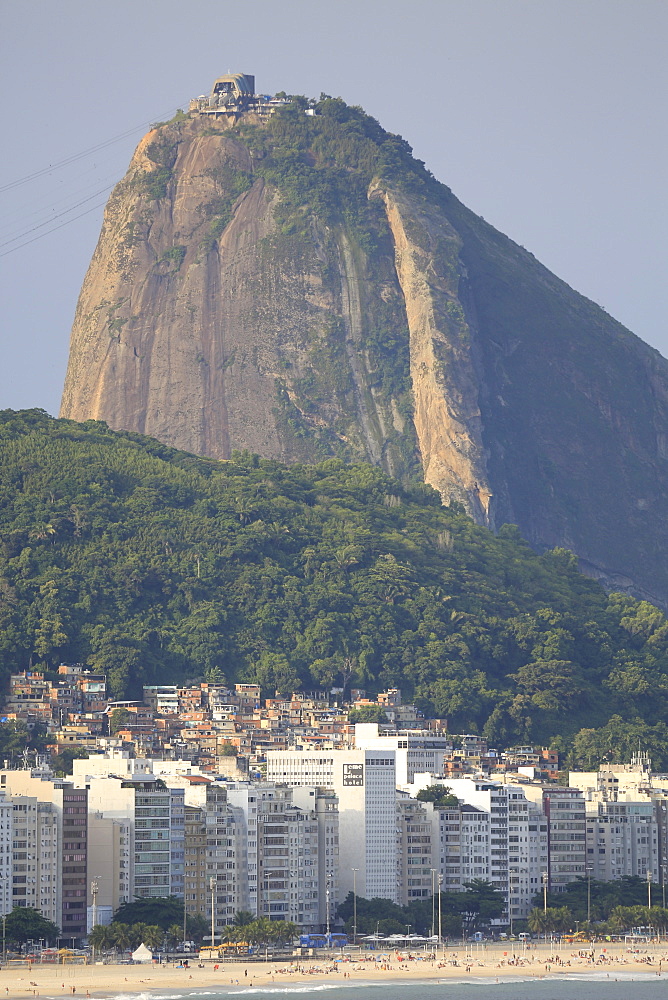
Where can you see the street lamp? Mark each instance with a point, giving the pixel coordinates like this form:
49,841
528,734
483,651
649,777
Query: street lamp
589,869
649,889
212,887
93,916
93,892
354,871
545,878
433,901
327,884
663,884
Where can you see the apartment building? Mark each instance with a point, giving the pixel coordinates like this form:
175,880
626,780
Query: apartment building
494,833
50,819
125,789
416,751
6,853
110,863
415,850
527,852
365,784
283,827
564,810
215,850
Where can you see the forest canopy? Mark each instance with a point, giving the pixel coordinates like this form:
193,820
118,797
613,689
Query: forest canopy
153,565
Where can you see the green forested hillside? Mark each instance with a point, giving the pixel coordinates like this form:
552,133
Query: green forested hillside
155,565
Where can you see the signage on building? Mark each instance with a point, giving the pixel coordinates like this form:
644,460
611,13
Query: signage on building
353,775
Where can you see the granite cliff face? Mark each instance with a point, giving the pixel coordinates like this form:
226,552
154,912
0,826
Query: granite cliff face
302,288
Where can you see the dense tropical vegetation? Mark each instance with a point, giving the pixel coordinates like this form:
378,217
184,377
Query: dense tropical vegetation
151,564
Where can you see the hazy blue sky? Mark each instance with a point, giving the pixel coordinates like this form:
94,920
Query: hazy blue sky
547,117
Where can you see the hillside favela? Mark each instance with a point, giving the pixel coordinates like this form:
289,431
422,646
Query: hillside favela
333,606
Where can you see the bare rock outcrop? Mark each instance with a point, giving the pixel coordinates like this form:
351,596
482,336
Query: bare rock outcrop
302,288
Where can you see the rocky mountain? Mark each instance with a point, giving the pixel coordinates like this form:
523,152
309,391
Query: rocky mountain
298,285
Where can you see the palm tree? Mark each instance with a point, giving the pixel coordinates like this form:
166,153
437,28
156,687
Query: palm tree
121,936
174,935
242,918
100,938
230,933
283,931
138,933
154,937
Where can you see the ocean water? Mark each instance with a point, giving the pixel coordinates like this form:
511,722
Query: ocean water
640,986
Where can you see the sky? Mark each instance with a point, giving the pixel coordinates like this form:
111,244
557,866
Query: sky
546,117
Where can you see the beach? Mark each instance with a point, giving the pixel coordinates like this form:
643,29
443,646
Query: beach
495,962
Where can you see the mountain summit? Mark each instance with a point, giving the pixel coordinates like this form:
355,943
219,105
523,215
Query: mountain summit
281,275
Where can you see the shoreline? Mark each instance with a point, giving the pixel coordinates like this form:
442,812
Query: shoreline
489,963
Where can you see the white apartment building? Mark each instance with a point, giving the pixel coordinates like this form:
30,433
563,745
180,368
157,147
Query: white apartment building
495,834
6,853
527,852
622,839
491,798
365,784
416,751
462,841
625,814
284,855
36,849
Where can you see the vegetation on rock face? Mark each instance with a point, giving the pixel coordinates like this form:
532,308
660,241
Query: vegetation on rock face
573,409
151,564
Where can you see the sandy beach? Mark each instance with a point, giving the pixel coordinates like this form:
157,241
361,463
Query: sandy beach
491,961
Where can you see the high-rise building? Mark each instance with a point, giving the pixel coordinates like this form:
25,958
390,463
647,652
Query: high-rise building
415,846
415,751
283,827
564,810
365,784
50,818
626,820
153,817
6,853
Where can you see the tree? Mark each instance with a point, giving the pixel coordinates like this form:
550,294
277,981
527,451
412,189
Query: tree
101,938
440,795
121,935
119,719
174,936
62,762
367,713
479,904
197,927
154,937
153,910
25,923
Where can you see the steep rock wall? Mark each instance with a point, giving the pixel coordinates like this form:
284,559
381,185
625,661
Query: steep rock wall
257,289
202,323
445,384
